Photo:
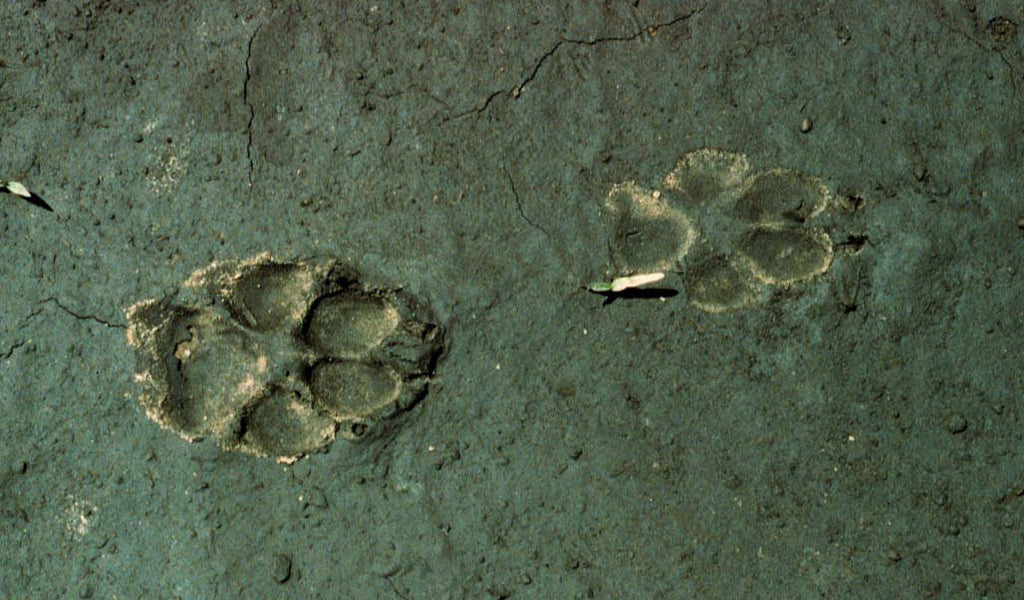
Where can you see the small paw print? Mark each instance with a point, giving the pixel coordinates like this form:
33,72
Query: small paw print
274,358
729,233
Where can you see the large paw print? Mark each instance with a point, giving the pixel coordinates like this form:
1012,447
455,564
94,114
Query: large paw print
728,232
274,358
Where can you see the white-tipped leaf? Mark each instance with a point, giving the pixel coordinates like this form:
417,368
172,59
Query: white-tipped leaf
624,283
17,189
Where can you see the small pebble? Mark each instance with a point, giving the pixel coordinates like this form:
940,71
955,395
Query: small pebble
806,125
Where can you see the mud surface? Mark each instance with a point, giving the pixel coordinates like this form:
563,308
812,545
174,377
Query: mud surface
822,398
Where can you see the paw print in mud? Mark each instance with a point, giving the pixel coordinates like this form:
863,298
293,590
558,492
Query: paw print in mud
730,233
276,358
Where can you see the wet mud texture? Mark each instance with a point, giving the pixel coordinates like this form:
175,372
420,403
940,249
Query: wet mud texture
764,428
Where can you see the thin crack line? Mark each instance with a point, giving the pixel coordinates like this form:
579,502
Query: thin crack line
519,203
10,351
24,321
517,90
82,317
248,104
